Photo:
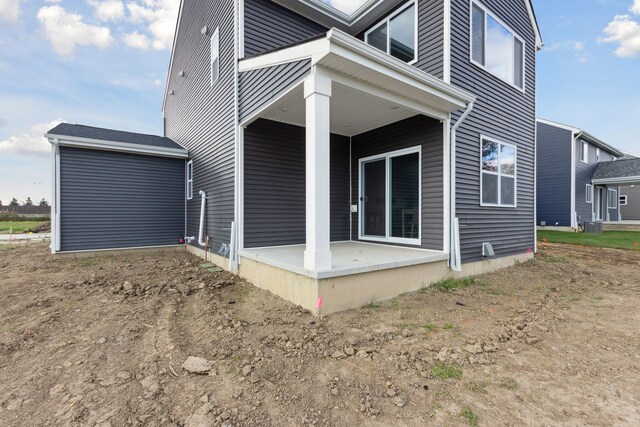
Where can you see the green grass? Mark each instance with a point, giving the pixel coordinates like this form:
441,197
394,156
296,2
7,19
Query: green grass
469,415
372,305
18,226
447,285
446,371
449,326
608,239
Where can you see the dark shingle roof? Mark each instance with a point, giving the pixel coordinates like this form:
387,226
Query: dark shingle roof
618,169
90,132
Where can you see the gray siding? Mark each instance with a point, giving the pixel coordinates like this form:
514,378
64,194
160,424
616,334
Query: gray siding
553,159
631,212
262,86
506,114
584,174
270,26
430,36
202,118
274,207
412,132
116,200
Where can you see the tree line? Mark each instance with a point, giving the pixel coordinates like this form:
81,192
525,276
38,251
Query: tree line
27,202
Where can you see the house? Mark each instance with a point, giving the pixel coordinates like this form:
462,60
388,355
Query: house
630,194
340,153
578,177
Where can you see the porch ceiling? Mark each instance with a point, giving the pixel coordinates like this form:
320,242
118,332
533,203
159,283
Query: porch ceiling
352,112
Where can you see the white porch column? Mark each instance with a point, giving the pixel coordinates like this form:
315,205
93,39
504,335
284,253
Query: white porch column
317,94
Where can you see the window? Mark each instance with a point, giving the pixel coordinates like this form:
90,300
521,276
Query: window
498,174
612,200
584,152
190,180
215,56
589,193
390,188
597,155
495,47
397,35
623,200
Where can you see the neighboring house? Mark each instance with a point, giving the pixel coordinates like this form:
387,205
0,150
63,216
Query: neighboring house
630,196
27,211
340,156
568,191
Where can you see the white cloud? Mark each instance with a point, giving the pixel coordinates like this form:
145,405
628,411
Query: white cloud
52,1
9,11
624,31
31,141
158,82
159,17
137,40
65,30
635,7
108,10
579,46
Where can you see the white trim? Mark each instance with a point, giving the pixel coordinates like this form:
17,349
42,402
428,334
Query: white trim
584,152
58,231
500,174
214,57
588,193
387,20
173,49
515,35
534,24
597,155
574,140
620,200
189,179
613,198
97,144
342,17
558,125
241,21
446,71
361,208
446,184
284,56
240,178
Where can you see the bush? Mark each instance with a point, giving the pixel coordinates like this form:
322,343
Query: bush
10,216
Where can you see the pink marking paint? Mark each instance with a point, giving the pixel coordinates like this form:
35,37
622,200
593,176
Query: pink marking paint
319,302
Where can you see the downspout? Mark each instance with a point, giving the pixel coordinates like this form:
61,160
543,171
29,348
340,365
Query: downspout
58,233
203,205
455,262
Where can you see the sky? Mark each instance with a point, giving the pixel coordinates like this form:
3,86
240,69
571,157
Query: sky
104,63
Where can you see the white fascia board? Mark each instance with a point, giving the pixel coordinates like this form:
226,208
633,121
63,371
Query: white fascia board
284,56
96,144
558,125
534,24
173,50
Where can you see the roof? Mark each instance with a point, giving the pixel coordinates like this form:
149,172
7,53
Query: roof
584,135
68,134
618,172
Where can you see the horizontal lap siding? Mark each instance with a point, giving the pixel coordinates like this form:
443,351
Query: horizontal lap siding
631,212
412,132
260,87
501,112
115,200
202,118
554,175
584,174
274,205
269,26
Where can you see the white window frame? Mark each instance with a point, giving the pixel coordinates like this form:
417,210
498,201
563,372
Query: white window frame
499,174
584,152
215,57
387,157
624,200
588,193
386,22
515,36
189,173
597,155
613,198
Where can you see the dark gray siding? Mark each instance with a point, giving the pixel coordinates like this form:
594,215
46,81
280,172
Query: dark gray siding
553,147
116,200
584,174
501,112
260,87
274,206
412,132
631,212
430,36
270,26
202,118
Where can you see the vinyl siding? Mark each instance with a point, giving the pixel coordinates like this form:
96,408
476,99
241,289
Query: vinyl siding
202,118
501,112
631,212
553,158
258,88
584,174
115,200
422,131
270,26
430,36
274,207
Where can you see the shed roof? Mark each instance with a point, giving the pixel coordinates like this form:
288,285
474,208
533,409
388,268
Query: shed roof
618,172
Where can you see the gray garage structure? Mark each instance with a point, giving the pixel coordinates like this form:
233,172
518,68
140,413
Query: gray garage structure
115,189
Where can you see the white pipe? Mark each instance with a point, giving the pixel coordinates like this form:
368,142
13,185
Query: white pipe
233,253
454,258
203,205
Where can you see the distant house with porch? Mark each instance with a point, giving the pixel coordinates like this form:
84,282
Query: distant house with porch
627,171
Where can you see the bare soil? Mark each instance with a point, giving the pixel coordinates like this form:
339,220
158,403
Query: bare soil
101,341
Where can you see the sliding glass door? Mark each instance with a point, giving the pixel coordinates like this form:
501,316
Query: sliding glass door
390,197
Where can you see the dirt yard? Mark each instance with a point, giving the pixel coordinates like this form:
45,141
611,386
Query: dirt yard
101,342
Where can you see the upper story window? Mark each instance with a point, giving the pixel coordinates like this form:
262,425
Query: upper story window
495,47
215,56
584,152
498,174
597,155
190,180
397,34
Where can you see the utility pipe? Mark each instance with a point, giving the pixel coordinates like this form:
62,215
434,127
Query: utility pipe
203,205
454,257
